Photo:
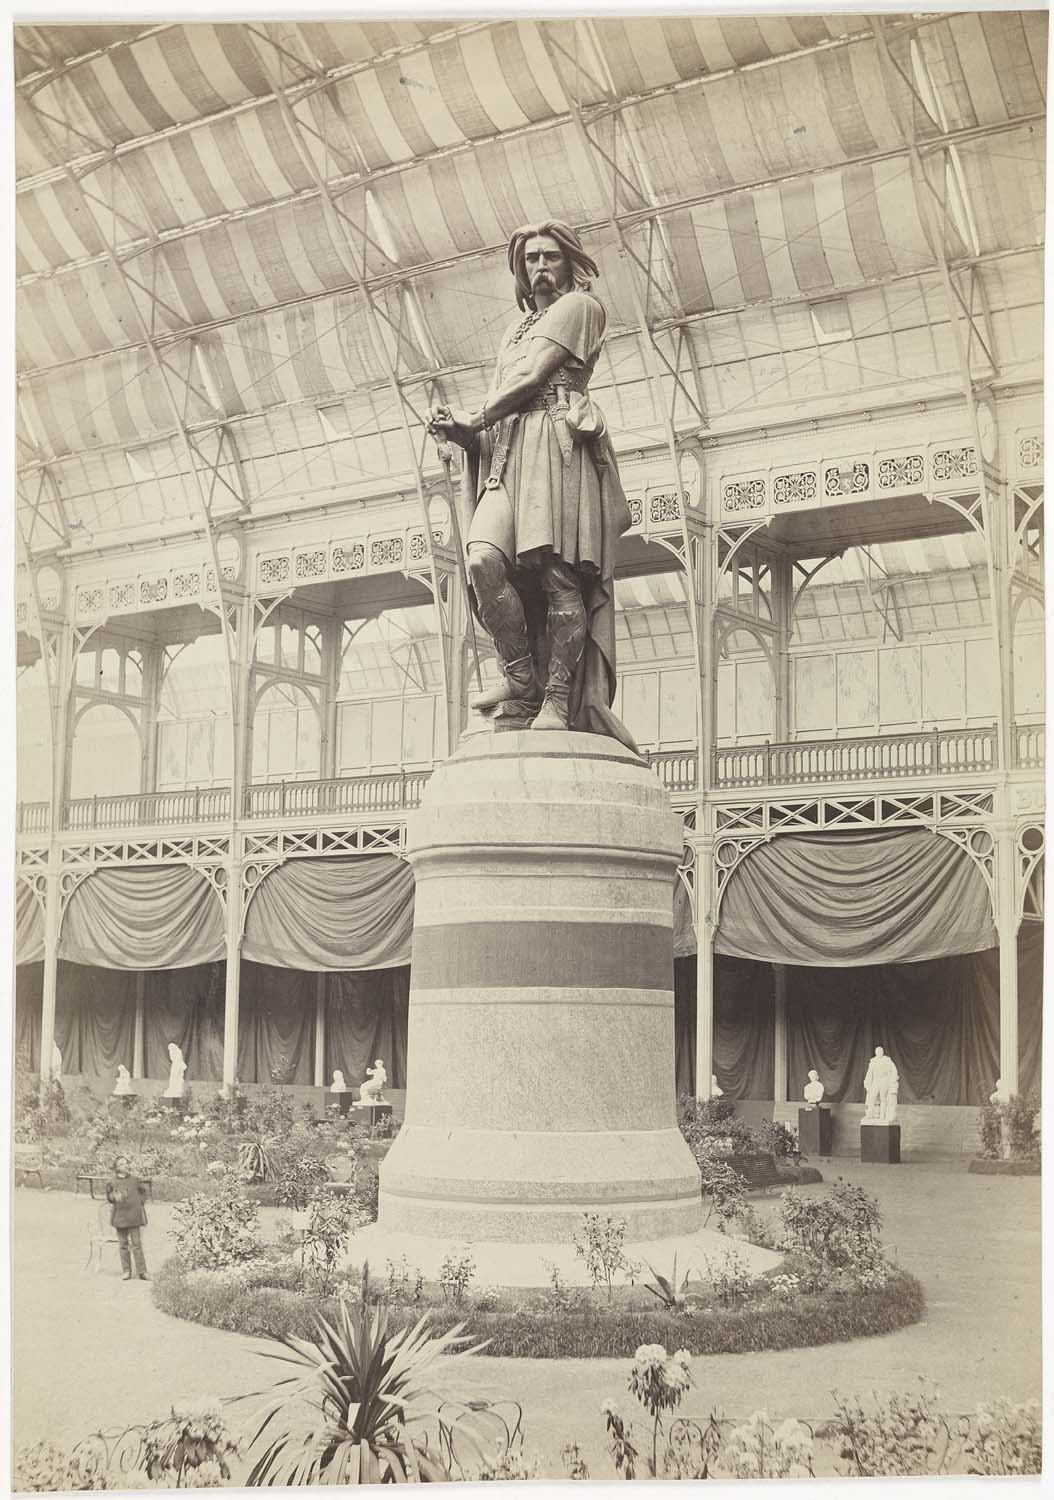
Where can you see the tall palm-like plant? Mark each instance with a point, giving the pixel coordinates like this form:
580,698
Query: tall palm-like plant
369,1393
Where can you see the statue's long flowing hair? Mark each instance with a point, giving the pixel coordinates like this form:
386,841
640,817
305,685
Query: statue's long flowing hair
583,267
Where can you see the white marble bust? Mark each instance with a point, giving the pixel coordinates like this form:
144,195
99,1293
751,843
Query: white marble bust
338,1086
814,1089
1002,1095
716,1091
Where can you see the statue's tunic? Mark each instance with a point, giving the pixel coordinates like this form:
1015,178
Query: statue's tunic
550,490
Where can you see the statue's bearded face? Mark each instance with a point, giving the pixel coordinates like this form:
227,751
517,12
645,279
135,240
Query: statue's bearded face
548,268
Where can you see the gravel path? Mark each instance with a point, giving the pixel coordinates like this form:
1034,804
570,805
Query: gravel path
93,1352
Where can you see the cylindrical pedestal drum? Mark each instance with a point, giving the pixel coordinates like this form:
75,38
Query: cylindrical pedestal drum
541,1036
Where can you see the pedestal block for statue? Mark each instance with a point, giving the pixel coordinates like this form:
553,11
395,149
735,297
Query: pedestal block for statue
541,1030
815,1130
371,1114
343,1100
880,1142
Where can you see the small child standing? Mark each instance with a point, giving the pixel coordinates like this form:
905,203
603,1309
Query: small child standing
128,1215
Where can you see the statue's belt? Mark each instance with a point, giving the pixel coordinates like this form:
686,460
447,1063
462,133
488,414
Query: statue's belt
554,401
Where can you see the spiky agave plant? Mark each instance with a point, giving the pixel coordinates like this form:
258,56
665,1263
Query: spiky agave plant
371,1398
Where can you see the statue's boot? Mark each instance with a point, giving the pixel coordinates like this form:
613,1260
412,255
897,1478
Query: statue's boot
501,612
566,627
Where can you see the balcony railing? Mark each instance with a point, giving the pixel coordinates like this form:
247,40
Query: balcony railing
1028,746
34,817
938,752
205,804
355,794
678,770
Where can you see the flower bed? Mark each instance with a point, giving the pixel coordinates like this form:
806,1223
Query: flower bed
993,1166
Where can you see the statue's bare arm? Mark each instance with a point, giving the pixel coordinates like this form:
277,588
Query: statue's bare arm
463,428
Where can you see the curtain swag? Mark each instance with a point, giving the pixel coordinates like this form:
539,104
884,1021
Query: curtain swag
153,917
333,914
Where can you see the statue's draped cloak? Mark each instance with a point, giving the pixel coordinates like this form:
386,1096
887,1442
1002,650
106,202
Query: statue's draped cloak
557,494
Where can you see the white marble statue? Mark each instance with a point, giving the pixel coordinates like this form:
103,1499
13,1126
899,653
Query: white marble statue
338,1086
372,1091
176,1071
813,1089
1002,1095
716,1091
56,1063
881,1086
123,1085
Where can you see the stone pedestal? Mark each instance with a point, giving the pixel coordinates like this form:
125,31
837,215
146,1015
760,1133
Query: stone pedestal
541,1031
879,1142
815,1130
371,1114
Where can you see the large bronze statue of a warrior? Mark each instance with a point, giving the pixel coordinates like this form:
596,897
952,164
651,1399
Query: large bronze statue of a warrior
542,491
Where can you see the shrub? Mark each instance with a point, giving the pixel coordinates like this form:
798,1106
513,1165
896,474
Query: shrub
255,1161
191,1447
724,1188
902,1436
731,1278
298,1177
759,1449
1005,1438
270,1113
1007,1129
600,1244
455,1273
405,1284
367,1192
332,1218
217,1228
839,1228
779,1139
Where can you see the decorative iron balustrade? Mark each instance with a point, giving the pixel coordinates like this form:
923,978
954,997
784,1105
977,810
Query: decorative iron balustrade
883,757
396,792
678,770
203,804
34,817
1028,746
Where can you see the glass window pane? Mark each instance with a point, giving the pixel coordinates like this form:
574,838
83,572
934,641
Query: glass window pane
133,674
199,752
110,670
281,742
313,650
417,730
387,732
290,647
308,743
171,754
353,737
265,645
87,669
223,751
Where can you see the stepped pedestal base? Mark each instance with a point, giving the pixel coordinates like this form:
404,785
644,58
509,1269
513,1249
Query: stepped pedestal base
541,1061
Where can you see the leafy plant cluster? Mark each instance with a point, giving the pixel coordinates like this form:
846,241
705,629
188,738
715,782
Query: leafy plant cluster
1007,1130
897,1436
215,1229
188,1449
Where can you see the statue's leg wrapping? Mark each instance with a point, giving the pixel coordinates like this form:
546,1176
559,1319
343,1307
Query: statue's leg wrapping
501,613
567,638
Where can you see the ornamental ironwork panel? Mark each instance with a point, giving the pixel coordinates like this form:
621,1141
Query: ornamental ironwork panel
664,507
349,557
636,510
1030,451
186,585
90,601
386,552
848,479
272,570
153,590
794,489
954,463
312,564
901,471
743,495
122,596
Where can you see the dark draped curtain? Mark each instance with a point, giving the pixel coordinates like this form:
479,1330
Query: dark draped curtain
744,1032
29,925
276,1025
1030,1005
149,917
938,1020
823,899
366,1018
185,1006
355,913
29,987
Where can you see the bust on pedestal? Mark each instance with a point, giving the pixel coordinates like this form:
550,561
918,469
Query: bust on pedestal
814,1120
173,1095
879,1134
340,1091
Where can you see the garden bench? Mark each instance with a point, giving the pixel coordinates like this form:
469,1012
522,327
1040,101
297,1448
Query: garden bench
91,1178
760,1171
30,1164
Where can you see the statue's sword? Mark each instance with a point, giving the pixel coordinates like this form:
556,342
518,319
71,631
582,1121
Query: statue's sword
446,458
